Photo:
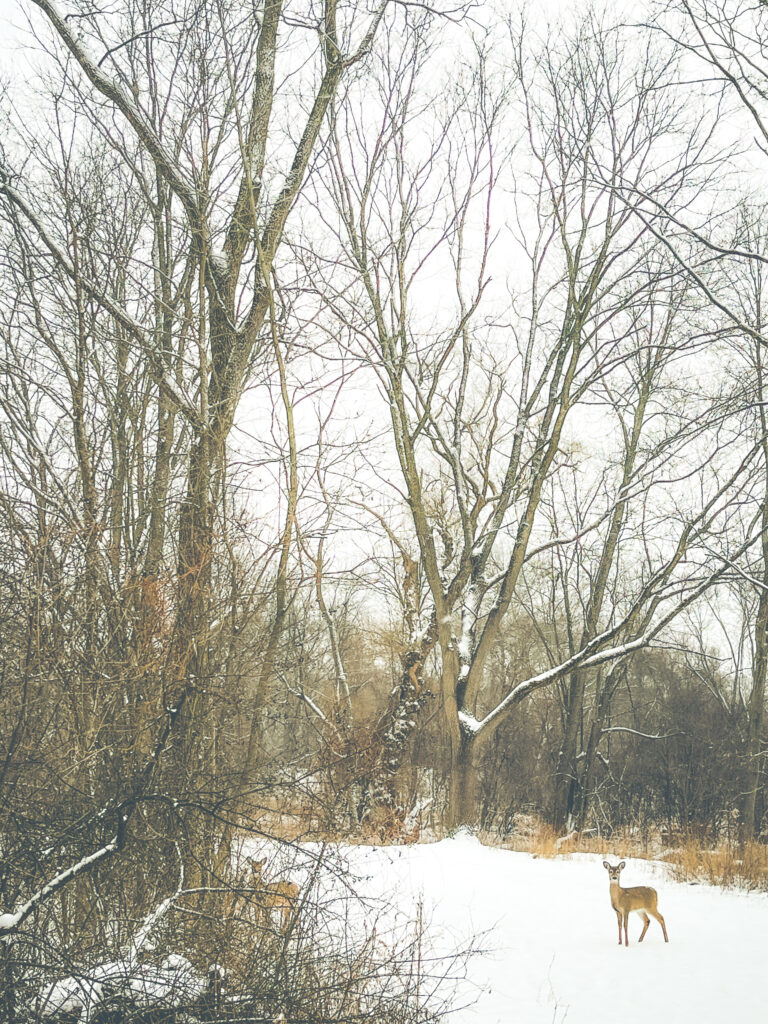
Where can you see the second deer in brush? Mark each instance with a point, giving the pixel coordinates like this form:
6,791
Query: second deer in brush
282,896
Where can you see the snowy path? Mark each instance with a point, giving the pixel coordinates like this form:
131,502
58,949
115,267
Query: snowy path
555,956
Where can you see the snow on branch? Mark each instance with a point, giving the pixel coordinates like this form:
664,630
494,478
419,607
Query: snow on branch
469,724
310,704
367,41
644,735
580,660
747,577
592,655
10,923
469,613
141,936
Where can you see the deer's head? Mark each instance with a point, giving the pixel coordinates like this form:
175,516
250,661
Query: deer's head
257,870
614,872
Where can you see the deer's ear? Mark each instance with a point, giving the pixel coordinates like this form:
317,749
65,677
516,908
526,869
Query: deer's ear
606,865
622,865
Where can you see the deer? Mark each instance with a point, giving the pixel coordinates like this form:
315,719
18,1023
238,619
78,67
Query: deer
282,896
640,898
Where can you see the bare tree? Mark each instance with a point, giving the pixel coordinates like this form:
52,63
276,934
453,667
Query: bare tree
745,280
637,397
587,127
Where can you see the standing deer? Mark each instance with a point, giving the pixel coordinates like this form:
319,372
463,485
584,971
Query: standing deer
268,896
640,898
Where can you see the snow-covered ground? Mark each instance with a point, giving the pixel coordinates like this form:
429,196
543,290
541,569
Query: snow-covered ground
551,936
545,928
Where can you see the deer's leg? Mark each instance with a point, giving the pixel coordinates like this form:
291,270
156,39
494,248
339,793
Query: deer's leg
646,922
618,918
626,937
661,921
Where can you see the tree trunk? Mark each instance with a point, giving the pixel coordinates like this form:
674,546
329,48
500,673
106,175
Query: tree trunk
7,981
463,784
565,777
603,698
188,677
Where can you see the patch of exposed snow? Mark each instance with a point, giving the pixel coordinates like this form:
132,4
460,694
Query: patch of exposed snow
71,996
173,983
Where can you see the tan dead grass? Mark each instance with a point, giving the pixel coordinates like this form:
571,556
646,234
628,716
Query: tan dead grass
734,865
532,835
728,863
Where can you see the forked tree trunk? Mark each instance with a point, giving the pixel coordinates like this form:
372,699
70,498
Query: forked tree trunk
463,783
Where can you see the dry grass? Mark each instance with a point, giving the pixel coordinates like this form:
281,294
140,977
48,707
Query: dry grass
729,864
740,866
531,835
